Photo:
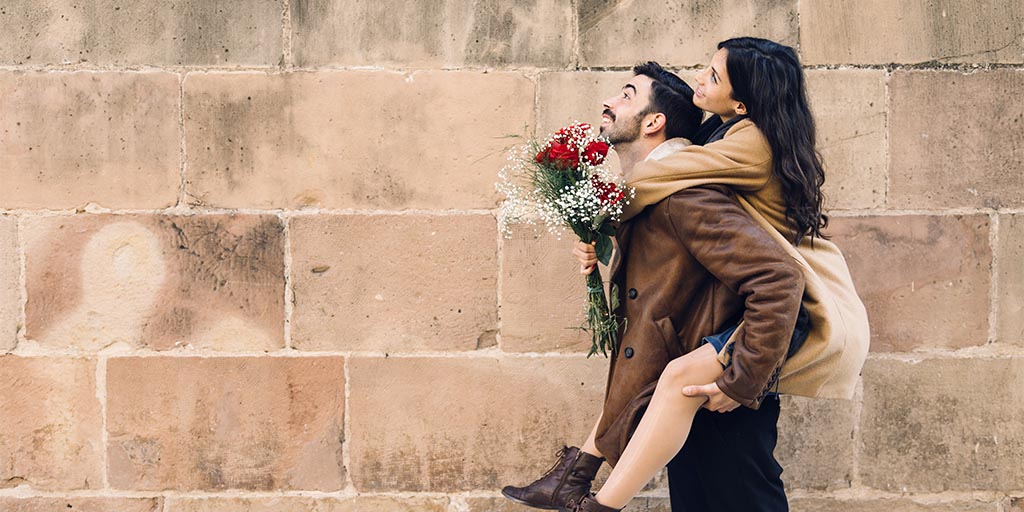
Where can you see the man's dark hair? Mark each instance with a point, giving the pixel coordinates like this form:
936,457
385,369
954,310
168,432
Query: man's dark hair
671,96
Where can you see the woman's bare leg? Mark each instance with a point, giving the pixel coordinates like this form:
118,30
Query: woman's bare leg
589,446
663,428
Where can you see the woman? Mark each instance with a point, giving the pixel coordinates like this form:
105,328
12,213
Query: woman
764,150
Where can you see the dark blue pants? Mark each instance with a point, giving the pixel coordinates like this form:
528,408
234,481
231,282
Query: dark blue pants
728,463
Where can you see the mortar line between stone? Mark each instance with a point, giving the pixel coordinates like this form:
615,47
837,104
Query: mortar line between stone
993,305
885,142
101,395
855,479
182,200
346,428
575,15
289,306
500,246
286,35
92,209
19,239
289,213
966,68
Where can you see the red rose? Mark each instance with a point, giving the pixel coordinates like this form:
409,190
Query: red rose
607,193
596,152
543,156
564,156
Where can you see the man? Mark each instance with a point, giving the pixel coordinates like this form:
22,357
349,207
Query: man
676,293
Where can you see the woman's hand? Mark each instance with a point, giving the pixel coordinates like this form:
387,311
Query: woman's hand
587,256
717,400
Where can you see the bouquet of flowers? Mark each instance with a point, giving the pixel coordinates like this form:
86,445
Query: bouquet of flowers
563,181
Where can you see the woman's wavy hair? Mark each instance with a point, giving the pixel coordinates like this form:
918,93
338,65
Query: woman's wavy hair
766,76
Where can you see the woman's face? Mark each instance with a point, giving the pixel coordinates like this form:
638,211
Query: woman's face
714,92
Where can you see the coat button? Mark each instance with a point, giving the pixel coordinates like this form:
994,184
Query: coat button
631,293
628,352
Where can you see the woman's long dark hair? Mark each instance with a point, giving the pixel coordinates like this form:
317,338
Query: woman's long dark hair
766,76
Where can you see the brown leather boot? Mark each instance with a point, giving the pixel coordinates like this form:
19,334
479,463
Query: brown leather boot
567,482
590,504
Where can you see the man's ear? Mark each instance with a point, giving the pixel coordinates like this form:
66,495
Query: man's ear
654,123
740,108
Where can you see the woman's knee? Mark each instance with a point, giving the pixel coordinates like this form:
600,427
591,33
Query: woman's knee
691,369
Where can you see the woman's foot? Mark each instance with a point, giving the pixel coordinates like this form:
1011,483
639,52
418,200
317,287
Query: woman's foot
565,484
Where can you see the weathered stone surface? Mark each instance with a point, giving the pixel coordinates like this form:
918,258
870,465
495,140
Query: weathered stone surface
924,279
209,281
108,32
10,268
74,138
81,504
394,282
880,32
301,504
955,141
849,107
683,33
442,437
51,428
356,139
1016,505
1011,279
815,445
887,505
543,294
943,424
190,423
566,97
432,34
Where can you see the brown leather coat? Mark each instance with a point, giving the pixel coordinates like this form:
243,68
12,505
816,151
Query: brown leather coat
688,267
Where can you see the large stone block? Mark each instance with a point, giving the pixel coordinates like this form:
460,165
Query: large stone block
51,427
355,139
880,31
449,33
394,282
816,442
943,424
303,504
89,137
849,107
953,146
190,423
543,294
209,281
10,294
1010,280
683,33
808,504
75,504
108,32
447,435
924,279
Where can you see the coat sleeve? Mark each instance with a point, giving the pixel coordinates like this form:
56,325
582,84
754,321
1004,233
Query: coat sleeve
724,239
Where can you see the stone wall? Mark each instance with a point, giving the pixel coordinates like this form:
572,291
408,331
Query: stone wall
249,258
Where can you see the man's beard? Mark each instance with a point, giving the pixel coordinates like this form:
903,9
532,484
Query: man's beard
627,131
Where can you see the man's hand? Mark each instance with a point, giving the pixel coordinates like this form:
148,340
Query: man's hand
587,256
717,400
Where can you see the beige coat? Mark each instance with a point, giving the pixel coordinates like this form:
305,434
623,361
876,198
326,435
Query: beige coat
830,361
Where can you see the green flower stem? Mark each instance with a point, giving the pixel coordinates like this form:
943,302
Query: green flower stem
601,323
